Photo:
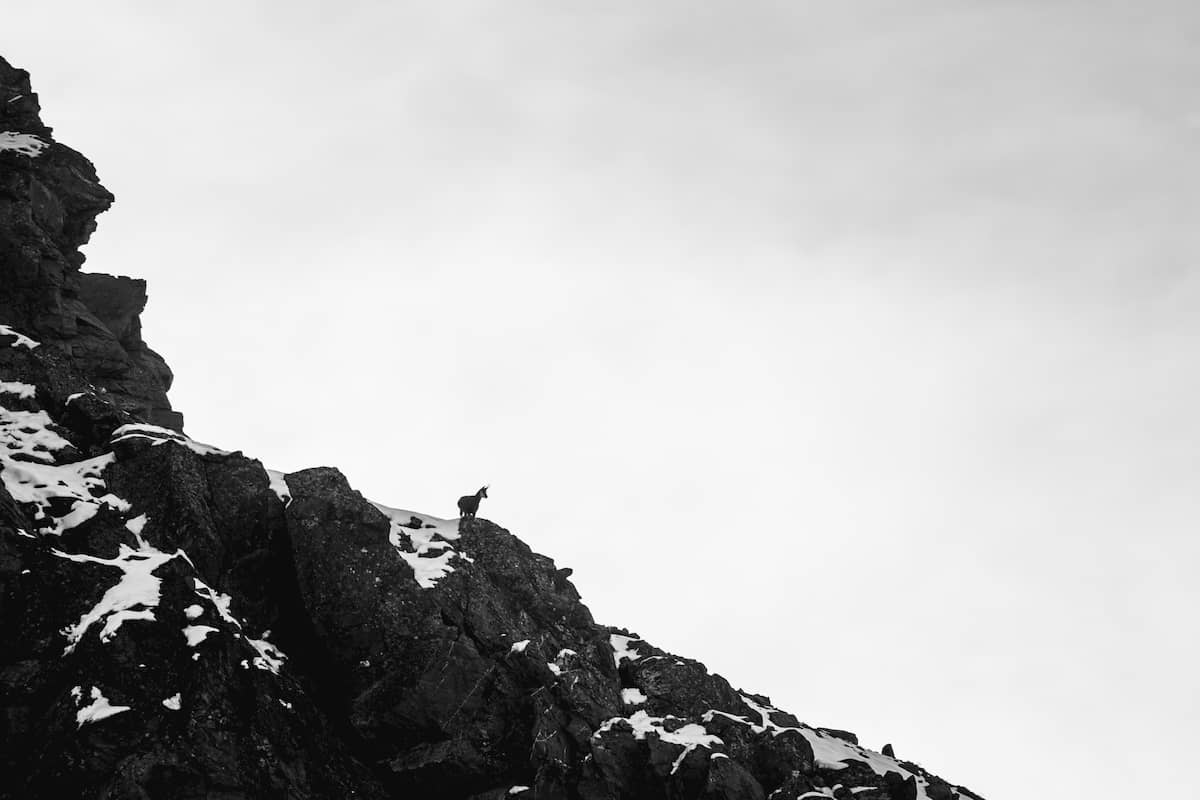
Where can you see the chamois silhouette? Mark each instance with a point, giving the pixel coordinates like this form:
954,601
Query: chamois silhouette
468,504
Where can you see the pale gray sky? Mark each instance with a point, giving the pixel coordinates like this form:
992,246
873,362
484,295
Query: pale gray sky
848,347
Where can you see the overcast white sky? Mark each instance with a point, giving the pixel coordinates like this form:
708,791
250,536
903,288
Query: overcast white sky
849,347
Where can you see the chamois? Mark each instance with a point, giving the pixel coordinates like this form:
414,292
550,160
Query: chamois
469,504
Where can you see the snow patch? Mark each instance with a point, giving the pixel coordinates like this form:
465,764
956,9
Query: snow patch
269,656
174,702
159,435
426,548
519,647
77,486
135,527
621,649
830,752
195,634
99,708
689,736
21,340
557,665
114,621
24,143
28,434
132,597
23,390
634,697
221,602
193,611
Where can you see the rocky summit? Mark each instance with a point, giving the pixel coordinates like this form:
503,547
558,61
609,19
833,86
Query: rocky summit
178,621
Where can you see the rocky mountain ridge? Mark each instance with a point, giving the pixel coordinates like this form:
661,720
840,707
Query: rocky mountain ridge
179,621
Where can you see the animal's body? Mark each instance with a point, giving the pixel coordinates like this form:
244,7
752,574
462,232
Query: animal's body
469,504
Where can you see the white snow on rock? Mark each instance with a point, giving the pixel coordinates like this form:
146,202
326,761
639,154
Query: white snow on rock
32,477
21,339
174,702
28,433
708,717
279,485
24,143
519,647
633,697
135,526
99,709
23,390
221,602
115,620
829,751
427,548
621,649
132,597
267,656
557,666
689,736
195,634
159,435
67,495
518,789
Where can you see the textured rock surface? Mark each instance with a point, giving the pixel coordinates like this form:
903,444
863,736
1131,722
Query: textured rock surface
178,622
49,199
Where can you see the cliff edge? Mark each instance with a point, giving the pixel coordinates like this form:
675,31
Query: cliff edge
177,621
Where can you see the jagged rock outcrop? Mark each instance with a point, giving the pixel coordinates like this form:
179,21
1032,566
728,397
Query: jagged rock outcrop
177,621
49,199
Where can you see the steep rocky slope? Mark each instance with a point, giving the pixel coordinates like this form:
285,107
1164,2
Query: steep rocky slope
178,621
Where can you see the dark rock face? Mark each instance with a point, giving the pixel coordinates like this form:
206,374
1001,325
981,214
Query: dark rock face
49,199
178,622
